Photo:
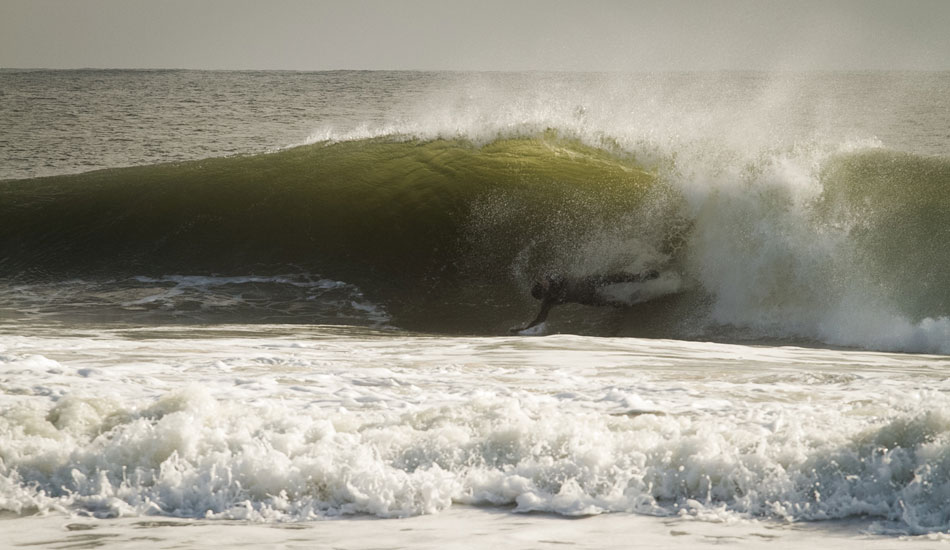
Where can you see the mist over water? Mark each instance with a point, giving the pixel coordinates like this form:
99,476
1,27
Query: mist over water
141,117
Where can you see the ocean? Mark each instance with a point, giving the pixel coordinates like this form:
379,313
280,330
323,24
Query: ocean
283,309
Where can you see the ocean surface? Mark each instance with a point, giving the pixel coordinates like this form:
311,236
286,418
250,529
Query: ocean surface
282,308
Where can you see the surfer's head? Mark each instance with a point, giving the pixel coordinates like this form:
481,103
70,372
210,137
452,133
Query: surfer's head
541,287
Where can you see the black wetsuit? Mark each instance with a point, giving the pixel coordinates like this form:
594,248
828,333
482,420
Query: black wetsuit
557,289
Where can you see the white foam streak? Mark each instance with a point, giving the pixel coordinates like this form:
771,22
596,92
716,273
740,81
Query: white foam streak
201,297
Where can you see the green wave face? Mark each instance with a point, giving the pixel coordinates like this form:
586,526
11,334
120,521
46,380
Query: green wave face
411,221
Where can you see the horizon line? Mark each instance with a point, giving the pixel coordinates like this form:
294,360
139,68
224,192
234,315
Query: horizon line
418,70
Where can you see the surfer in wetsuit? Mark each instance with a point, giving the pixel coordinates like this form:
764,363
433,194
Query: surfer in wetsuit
554,290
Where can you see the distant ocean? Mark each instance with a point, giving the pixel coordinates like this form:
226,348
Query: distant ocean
278,303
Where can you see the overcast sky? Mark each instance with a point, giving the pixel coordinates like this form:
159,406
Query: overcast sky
476,34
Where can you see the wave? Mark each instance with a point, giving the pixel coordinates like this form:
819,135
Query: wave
369,202
842,245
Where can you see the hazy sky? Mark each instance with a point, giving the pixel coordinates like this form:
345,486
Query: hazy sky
476,34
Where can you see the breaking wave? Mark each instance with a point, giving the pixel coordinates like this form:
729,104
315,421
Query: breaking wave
844,245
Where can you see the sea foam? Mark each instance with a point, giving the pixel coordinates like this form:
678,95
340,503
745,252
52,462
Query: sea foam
303,429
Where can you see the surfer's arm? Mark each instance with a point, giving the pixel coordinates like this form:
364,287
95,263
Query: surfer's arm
546,306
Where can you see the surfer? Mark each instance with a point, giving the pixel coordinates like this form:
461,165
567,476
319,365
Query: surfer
554,290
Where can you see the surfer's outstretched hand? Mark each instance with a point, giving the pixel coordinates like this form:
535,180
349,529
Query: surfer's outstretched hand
529,330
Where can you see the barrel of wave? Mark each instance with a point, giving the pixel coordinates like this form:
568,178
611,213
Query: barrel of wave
423,226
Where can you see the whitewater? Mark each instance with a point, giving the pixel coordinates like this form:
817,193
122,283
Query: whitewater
275,308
